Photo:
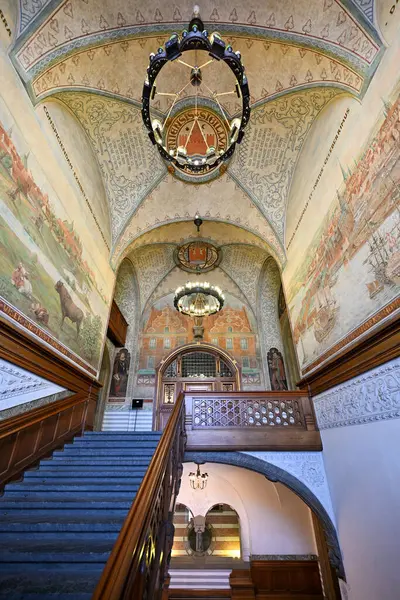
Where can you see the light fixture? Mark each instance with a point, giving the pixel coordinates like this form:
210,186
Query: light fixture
198,481
198,300
207,49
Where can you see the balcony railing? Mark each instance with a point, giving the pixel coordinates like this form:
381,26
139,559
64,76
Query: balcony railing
251,420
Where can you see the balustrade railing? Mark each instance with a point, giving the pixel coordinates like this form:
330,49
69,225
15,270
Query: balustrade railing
245,420
139,560
245,412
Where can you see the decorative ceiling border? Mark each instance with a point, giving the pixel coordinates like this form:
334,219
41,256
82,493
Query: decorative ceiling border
155,30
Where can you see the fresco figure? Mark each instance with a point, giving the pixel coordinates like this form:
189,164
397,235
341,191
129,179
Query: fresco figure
276,370
119,380
20,279
68,307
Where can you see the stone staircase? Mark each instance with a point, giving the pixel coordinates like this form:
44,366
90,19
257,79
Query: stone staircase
200,579
58,525
128,420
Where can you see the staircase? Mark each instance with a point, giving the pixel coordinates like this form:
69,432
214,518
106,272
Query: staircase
58,526
128,420
209,583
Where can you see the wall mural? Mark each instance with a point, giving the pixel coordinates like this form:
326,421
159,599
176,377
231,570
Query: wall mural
232,329
356,249
48,283
120,374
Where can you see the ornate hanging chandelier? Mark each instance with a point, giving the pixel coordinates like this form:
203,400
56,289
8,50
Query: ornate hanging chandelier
206,135
198,481
198,300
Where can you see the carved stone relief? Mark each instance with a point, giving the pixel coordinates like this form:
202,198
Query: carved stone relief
18,386
373,396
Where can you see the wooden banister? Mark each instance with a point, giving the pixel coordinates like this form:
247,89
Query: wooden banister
138,562
26,438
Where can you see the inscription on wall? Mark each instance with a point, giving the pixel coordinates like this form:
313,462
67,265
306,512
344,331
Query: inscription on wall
269,148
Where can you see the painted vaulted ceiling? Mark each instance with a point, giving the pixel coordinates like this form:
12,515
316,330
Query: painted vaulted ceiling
83,63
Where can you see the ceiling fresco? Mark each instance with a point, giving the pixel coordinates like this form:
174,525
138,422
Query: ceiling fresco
151,264
157,274
177,277
264,163
217,233
65,26
221,200
272,67
91,56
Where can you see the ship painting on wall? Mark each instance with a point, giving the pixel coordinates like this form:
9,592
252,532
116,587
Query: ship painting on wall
48,283
351,270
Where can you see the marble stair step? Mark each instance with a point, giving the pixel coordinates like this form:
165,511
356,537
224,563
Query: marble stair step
19,580
100,461
85,478
67,505
87,472
94,515
71,451
116,444
80,526
68,496
108,437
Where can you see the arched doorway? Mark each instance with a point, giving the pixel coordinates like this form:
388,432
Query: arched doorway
193,368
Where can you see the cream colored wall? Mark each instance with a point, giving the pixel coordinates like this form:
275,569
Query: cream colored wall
273,520
81,155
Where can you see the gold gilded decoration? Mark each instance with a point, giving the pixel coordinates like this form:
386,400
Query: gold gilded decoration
196,131
197,257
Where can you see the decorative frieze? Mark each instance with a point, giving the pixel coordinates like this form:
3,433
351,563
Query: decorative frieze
307,467
18,386
373,396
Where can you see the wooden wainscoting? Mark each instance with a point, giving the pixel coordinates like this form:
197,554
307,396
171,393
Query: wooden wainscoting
277,580
26,438
117,326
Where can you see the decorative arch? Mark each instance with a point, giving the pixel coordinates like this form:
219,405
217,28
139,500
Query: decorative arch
276,474
163,408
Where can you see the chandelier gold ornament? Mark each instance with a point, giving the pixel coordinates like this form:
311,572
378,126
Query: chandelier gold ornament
201,149
198,480
198,300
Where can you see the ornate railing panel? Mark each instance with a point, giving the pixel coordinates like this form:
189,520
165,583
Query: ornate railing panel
139,561
251,420
244,412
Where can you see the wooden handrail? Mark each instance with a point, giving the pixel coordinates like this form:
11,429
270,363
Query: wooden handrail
140,554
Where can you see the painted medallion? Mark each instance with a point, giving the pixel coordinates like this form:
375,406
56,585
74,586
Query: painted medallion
197,257
197,130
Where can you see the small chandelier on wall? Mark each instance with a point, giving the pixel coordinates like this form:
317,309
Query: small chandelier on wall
198,480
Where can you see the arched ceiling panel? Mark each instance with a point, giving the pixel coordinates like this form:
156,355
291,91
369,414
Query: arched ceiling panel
151,264
388,18
84,170
338,27
221,200
243,264
119,67
264,163
130,166
214,232
177,277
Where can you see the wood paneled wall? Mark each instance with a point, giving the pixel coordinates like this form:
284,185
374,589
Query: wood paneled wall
28,437
117,326
277,580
